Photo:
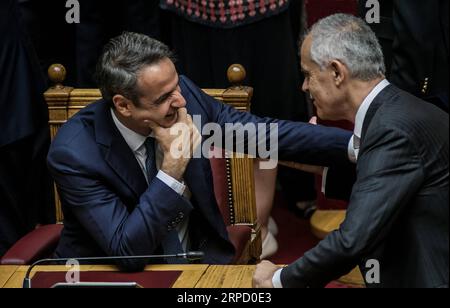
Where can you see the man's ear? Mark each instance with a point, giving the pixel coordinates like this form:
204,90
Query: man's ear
339,72
122,105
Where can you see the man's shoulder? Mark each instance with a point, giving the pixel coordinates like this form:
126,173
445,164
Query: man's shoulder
404,115
80,127
400,109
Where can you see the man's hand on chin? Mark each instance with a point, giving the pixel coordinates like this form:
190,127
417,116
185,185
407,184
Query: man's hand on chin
262,277
178,143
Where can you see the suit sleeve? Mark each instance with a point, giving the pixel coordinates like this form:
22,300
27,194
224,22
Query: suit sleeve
389,173
118,231
296,141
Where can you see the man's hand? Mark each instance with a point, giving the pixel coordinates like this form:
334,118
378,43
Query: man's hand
178,143
313,120
262,278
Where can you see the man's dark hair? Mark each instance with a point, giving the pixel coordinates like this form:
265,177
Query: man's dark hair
122,59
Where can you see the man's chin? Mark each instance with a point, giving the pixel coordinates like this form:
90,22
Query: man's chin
322,115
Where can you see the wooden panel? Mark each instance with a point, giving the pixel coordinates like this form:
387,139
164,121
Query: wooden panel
238,97
12,276
353,278
231,276
80,98
243,184
6,271
190,276
326,221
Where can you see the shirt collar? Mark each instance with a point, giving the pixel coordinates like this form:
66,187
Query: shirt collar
362,110
133,139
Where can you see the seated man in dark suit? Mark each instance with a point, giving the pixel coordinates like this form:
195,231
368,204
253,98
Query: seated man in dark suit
123,191
396,227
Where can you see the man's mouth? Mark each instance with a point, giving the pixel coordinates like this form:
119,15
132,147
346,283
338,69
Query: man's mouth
171,116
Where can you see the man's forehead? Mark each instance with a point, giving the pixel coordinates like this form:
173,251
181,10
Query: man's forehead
305,64
158,76
305,50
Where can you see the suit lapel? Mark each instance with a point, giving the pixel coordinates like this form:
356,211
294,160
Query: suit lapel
118,155
385,95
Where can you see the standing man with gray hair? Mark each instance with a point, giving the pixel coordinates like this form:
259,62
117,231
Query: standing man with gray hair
396,228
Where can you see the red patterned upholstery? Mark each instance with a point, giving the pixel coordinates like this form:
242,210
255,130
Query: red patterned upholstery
239,237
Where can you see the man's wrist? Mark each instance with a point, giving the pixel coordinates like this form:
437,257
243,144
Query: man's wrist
172,170
173,183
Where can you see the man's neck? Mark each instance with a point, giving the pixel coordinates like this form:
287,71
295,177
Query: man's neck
129,124
358,91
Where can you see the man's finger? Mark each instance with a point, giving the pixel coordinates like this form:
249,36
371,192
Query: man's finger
313,120
182,114
152,124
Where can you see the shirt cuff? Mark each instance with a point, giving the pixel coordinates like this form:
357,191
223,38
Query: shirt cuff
351,151
171,182
276,279
324,180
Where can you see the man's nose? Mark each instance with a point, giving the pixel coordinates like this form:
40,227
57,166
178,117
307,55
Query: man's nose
305,85
178,101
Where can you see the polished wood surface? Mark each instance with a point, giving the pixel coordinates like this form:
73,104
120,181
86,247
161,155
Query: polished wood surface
12,276
192,276
232,276
325,221
6,271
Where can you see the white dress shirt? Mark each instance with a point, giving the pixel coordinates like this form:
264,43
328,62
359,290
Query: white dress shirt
360,116
136,143
353,147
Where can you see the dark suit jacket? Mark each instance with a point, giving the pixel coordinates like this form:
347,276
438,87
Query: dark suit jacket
398,211
414,36
110,210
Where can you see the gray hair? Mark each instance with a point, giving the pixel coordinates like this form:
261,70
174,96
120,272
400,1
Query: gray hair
122,59
350,40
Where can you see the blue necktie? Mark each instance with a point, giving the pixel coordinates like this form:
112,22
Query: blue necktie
171,244
150,162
